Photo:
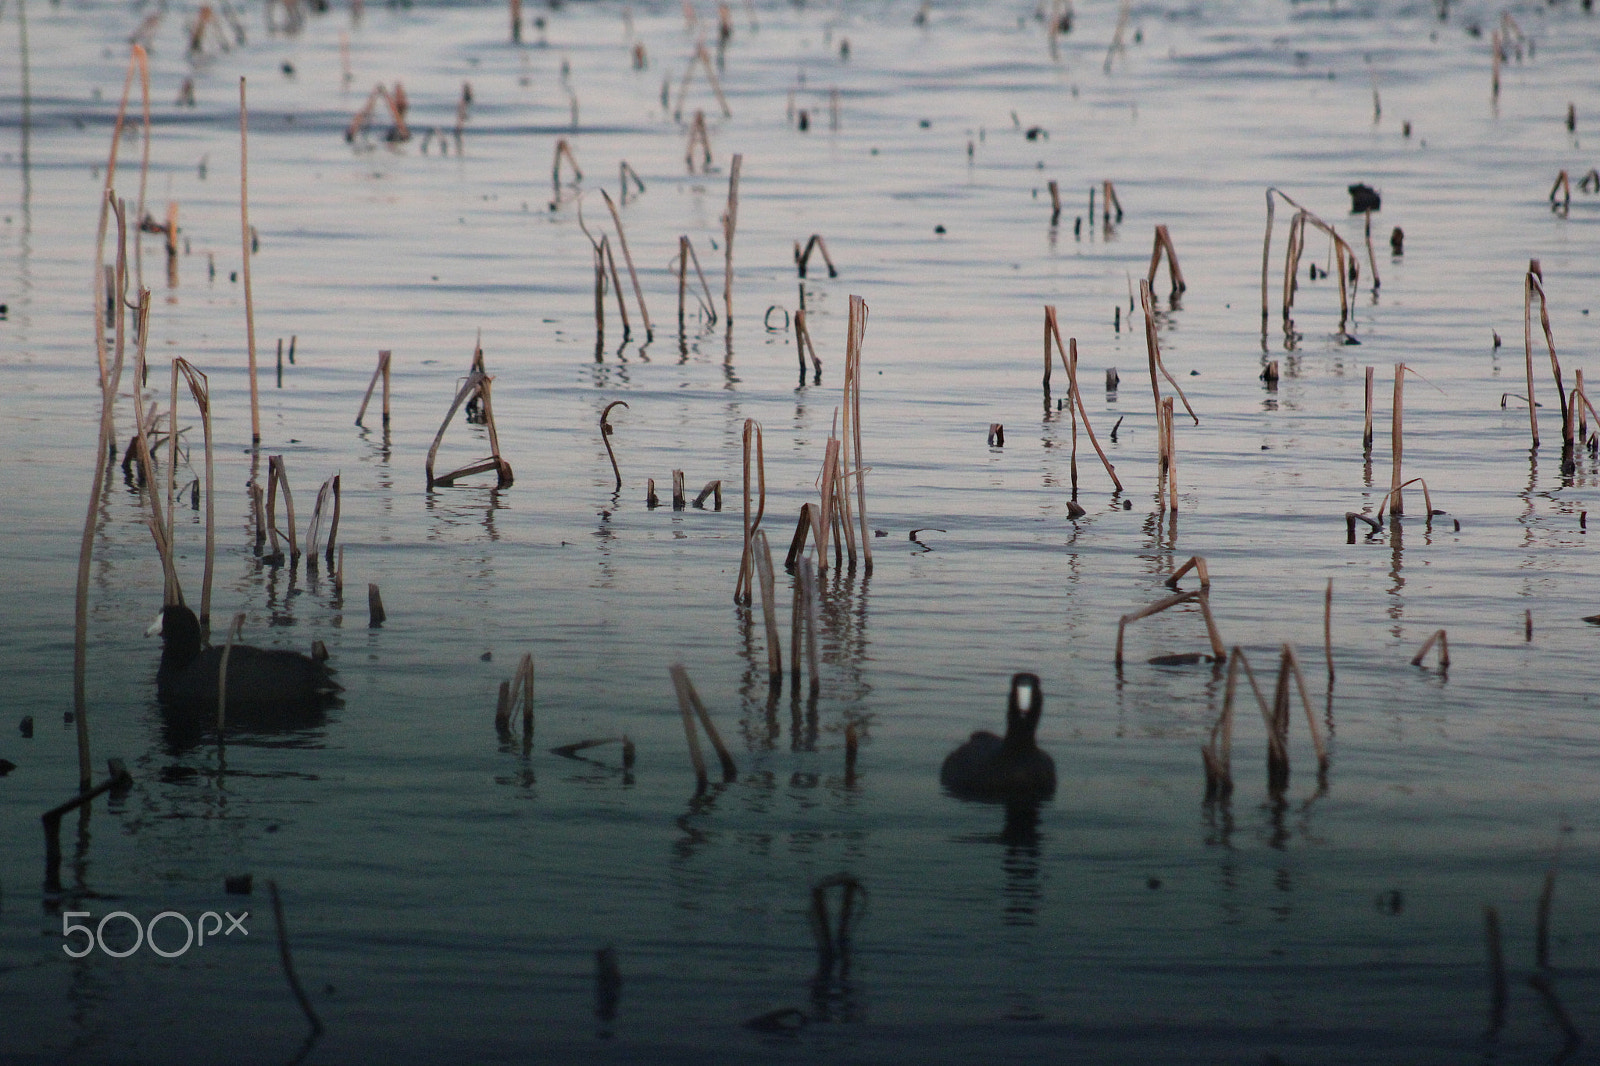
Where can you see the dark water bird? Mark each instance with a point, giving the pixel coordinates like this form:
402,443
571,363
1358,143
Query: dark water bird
268,689
1364,197
1011,768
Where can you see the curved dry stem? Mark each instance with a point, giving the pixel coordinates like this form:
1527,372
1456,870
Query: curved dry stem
605,438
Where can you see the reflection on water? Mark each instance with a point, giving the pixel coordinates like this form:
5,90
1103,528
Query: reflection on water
450,884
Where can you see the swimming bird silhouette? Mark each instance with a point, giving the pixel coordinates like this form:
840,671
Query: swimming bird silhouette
1012,768
267,688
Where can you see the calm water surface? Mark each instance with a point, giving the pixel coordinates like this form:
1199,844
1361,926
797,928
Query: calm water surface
446,891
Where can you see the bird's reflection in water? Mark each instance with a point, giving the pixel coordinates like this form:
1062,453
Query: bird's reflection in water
182,733
1021,896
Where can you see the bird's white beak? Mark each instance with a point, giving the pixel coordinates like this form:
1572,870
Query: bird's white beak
155,628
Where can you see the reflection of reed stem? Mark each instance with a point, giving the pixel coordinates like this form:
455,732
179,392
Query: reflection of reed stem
769,608
244,239
288,962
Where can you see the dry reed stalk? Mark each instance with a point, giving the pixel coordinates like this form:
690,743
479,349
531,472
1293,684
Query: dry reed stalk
803,344
678,502
159,528
1495,46
1427,499
1427,645
118,783
1218,652
608,259
1171,449
698,136
603,258
624,173
1371,259
333,535
1317,742
206,21
324,500
1534,282
689,700
851,455
1583,405
605,438
516,21
1162,455
476,387
602,252
172,455
397,104
1197,563
382,372
376,615
752,433
801,258
683,280
200,389
1366,434
686,255
244,240
276,476
110,380
1069,362
1348,268
1153,345
1055,197
358,121
1109,202
1345,264
627,257
171,231
462,107
288,962
844,527
769,608
711,490
102,296
1198,596
519,687
258,512
730,221
563,149
1123,9
702,57
235,630
824,515
1163,245
1395,441
1277,720
1327,628
1217,752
